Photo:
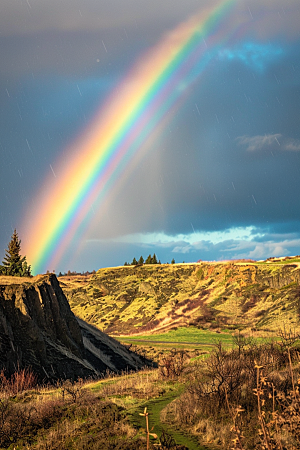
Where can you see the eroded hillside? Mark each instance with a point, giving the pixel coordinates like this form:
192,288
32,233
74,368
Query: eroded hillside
39,330
136,299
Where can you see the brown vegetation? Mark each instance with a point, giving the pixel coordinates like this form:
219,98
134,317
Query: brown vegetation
76,415
245,399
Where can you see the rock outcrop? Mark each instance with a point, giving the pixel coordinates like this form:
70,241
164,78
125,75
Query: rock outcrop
39,330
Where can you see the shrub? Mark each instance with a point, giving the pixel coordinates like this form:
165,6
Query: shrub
245,399
173,364
19,381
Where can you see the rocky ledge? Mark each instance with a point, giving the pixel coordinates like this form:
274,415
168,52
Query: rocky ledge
39,330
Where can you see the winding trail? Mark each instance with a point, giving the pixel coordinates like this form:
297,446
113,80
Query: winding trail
154,407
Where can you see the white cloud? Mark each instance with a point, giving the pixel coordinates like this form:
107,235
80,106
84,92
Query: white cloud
263,250
256,143
292,145
196,239
185,249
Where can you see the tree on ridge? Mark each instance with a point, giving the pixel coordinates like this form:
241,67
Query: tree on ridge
13,263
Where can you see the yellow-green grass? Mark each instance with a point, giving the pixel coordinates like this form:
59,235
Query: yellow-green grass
280,261
188,338
157,394
141,300
183,336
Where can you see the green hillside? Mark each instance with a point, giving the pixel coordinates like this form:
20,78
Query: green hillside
156,298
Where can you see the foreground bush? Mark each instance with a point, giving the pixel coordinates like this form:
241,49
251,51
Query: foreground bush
64,424
19,381
73,417
245,399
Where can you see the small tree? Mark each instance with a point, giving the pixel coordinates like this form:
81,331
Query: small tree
134,262
154,259
149,260
141,260
13,263
173,261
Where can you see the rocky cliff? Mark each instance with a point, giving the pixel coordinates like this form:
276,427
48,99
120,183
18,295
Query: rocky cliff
155,298
39,330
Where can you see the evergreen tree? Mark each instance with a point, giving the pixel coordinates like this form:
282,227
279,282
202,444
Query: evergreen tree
141,260
149,260
13,263
154,259
173,261
134,262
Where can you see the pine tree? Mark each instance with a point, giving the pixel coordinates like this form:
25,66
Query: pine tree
173,261
154,259
13,263
134,262
141,260
149,260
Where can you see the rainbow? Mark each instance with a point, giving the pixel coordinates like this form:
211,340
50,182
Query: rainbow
130,118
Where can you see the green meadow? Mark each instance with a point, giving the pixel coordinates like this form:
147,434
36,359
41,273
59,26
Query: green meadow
183,336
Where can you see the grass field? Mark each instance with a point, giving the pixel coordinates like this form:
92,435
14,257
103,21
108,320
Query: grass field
190,339
197,343
187,335
183,335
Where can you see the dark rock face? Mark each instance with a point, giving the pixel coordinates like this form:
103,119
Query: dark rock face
39,330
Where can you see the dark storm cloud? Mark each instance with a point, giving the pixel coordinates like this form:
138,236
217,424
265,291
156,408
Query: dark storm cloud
34,16
81,37
216,169
230,157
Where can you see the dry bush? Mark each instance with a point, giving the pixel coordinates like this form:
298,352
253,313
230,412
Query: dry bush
86,420
22,419
71,389
173,364
48,424
168,443
230,405
19,381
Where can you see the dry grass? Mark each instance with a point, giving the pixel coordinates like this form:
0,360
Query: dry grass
142,385
245,399
67,418
70,415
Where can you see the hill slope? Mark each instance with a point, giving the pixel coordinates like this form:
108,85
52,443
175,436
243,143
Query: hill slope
136,299
39,330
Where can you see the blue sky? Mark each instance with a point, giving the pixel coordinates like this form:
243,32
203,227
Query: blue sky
221,181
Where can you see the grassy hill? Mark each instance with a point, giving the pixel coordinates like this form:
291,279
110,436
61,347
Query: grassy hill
263,296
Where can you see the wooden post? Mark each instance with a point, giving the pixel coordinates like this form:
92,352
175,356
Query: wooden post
146,415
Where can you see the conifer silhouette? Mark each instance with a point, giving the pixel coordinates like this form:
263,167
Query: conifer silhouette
13,263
